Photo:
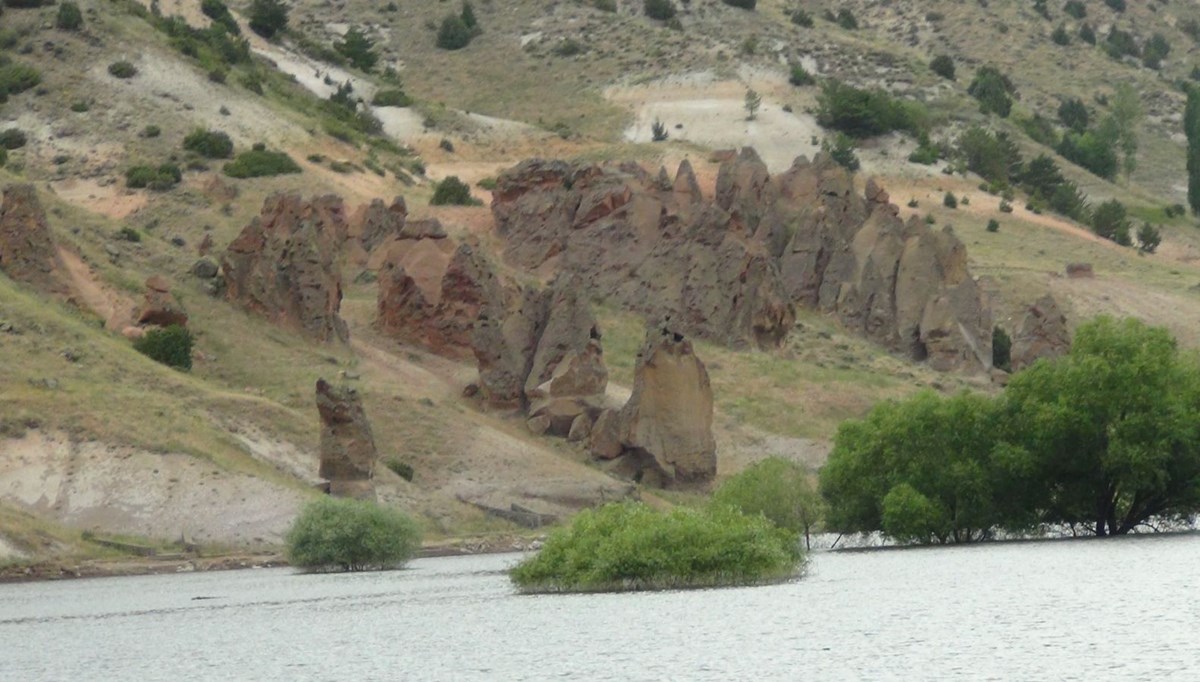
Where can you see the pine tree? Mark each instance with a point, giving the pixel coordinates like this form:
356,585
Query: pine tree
1191,127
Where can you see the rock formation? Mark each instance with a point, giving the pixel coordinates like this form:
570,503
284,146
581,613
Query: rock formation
732,269
663,435
283,265
27,251
1042,334
159,307
347,447
540,352
433,301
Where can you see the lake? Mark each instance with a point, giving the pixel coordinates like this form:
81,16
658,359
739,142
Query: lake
1112,609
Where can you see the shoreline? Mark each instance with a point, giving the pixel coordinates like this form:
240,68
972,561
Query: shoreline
79,569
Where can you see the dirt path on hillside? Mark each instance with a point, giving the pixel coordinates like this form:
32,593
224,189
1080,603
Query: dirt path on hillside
116,310
111,200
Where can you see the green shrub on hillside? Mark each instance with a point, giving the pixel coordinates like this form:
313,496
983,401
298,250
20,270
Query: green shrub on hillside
800,76
866,113
605,5
335,534
122,69
160,178
453,34
3,157
994,91
660,10
220,14
801,18
841,150
13,138
943,65
391,97
1111,221
629,546
260,162
1075,8
358,49
949,200
741,4
453,191
212,144
69,18
171,346
16,78
1060,36
846,19
268,17
1148,237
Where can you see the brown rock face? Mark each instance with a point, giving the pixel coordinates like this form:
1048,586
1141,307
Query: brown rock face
27,251
663,435
283,265
1042,334
732,269
541,352
159,307
657,247
437,311
347,447
381,222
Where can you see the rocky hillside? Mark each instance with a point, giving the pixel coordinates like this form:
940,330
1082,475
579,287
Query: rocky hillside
590,314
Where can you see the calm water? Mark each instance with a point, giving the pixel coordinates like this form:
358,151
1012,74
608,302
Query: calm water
1126,609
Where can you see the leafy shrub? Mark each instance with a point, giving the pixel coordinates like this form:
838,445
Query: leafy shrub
800,76
659,10
158,178
218,75
260,162
1075,8
351,535
402,469
925,155
605,5
1039,129
16,78
1001,342
846,19
128,234
453,34
1110,220
1116,5
1149,237
391,97
1155,50
122,70
993,225
13,138
841,150
1087,34
171,346
212,144
865,113
1005,206
1073,114
943,65
658,131
69,18
488,183
741,4
268,17
1060,36
569,48
1120,44
150,131
994,91
26,4
219,13
629,546
802,18
777,489
358,49
993,156
453,191
1094,150
949,200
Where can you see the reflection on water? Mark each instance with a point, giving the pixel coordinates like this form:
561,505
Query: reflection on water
1118,609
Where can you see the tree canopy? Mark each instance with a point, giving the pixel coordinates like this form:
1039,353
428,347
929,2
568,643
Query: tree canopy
779,490
1104,439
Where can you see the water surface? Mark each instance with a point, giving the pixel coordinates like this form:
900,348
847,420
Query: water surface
1121,609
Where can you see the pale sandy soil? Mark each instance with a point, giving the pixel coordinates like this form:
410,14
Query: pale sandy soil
116,309
111,199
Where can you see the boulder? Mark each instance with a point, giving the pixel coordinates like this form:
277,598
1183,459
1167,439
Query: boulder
664,432
205,268
283,265
159,307
27,251
348,452
1042,334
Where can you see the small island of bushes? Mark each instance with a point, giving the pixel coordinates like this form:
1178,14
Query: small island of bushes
336,534
629,546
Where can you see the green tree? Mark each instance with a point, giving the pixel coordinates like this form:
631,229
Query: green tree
468,18
351,535
1001,343
1110,430
943,65
1148,237
1111,221
1073,114
752,102
268,18
993,156
172,346
1191,128
453,34
841,150
358,49
1126,112
660,10
777,488
452,191
994,91
69,18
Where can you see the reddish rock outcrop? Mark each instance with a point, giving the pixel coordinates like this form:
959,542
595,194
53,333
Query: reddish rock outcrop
663,435
283,265
541,352
732,269
1042,334
27,251
159,307
433,302
348,451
